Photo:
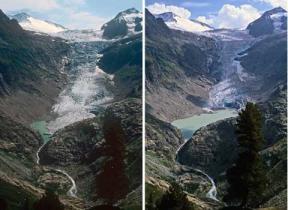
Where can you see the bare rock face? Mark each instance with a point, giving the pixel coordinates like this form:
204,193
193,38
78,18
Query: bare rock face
72,144
211,148
102,154
18,139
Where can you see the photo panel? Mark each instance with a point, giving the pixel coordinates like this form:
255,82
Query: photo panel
71,105
216,99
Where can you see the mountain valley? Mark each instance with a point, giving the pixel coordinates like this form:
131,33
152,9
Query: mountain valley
192,74
61,104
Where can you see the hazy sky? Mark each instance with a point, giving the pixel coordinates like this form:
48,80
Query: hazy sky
218,13
72,13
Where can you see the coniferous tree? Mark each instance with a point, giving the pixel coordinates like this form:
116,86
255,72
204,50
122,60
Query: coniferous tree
246,177
50,201
112,182
3,204
174,199
26,204
150,203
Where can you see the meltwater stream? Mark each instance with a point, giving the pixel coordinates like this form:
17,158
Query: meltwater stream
189,125
40,126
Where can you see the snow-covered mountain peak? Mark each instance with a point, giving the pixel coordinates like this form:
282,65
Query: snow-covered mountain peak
125,23
167,16
21,16
176,22
30,23
272,21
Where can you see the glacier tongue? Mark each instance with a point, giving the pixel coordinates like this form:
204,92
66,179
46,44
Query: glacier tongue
85,92
228,92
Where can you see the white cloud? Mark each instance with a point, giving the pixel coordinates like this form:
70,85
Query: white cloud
195,4
65,12
84,20
277,3
157,8
37,5
230,16
206,20
73,3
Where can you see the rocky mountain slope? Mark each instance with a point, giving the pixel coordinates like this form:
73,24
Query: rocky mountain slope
31,71
209,146
21,179
40,71
266,62
123,59
240,66
172,58
272,21
128,22
101,151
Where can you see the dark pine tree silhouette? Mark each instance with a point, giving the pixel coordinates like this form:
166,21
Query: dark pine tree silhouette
50,201
246,177
105,207
3,204
112,183
26,204
150,205
174,199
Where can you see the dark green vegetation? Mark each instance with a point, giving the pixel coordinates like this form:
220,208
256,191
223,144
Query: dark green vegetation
113,174
173,199
246,179
48,202
124,59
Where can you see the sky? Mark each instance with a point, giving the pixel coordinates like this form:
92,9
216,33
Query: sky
217,13
73,14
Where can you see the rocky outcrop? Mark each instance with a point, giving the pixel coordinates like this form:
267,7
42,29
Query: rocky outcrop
18,146
123,59
211,148
102,154
72,144
21,178
162,141
266,63
275,115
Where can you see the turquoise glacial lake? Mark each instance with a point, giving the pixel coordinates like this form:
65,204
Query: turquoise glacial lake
189,125
41,128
